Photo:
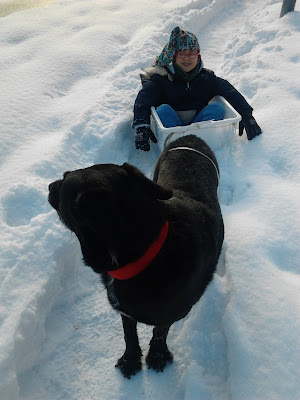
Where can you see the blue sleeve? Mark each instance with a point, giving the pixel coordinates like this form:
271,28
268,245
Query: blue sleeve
150,95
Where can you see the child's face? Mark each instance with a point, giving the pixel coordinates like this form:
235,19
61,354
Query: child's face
187,59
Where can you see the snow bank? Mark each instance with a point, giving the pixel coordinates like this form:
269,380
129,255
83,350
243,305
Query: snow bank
69,77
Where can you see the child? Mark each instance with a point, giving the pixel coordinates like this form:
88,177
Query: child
181,88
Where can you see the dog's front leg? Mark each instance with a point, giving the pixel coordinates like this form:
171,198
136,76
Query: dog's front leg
130,363
159,355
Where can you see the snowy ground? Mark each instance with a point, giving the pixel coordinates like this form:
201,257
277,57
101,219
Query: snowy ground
10,6
69,77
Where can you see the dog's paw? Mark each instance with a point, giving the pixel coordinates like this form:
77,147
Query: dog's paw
130,364
158,360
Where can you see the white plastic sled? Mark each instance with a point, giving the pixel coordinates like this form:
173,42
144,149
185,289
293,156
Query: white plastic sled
216,134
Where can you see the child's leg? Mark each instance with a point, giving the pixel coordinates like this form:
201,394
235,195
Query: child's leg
168,116
213,111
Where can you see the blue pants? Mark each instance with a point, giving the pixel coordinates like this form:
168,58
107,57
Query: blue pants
169,117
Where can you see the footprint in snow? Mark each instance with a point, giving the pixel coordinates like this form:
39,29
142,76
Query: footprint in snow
21,204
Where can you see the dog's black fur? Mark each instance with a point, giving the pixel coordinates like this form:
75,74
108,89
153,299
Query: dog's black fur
116,213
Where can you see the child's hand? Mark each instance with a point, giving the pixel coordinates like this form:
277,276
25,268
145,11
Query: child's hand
142,136
250,125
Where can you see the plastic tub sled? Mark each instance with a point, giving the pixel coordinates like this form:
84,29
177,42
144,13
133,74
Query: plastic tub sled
216,134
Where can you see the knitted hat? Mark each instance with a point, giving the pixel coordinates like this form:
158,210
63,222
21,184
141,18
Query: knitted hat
179,40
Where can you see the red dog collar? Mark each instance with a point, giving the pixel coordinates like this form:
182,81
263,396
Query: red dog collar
134,268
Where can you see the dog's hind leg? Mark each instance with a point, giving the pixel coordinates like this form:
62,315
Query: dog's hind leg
130,363
159,355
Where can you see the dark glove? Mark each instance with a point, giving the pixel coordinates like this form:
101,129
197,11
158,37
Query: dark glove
142,136
252,129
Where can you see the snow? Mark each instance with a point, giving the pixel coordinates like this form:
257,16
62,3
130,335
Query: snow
10,6
69,77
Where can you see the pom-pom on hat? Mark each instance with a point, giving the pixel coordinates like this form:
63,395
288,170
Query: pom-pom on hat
179,40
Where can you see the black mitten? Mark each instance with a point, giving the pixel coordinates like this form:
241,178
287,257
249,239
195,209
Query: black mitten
142,136
250,125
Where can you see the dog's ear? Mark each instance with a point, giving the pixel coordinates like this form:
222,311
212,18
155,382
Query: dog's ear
156,190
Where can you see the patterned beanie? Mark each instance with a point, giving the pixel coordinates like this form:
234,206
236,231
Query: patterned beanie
179,40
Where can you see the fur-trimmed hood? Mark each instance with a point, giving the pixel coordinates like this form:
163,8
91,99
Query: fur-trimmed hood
162,71
156,70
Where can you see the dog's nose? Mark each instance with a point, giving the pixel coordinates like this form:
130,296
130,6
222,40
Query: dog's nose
50,186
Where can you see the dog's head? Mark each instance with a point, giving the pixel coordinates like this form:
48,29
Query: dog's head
108,207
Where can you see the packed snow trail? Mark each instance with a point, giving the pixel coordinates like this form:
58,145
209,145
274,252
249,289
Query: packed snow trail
70,74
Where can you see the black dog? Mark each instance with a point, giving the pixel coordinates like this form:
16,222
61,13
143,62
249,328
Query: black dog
155,245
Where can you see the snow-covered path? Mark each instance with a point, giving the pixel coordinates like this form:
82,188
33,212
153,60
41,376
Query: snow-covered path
69,77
